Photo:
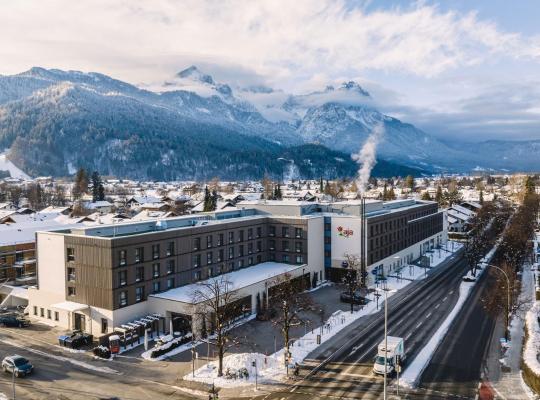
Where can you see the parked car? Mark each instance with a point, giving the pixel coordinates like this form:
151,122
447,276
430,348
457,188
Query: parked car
12,321
17,365
356,298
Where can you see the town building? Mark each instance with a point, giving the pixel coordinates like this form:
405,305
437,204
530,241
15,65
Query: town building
102,278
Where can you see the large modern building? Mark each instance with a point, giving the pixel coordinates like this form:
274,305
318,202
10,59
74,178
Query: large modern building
102,278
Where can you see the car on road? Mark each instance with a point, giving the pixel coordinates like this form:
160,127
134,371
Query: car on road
12,321
469,277
17,365
356,298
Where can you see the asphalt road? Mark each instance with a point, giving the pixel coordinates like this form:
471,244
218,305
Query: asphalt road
415,313
457,364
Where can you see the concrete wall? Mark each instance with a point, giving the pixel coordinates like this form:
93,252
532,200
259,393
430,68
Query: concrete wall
343,244
315,246
51,263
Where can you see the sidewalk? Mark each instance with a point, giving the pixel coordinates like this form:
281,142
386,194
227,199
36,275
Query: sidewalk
504,371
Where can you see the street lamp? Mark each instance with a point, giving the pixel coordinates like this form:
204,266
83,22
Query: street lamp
385,337
507,298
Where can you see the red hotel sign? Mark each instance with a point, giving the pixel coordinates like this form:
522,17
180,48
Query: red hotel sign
343,232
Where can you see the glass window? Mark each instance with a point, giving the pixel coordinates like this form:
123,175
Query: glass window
71,291
241,250
196,260
104,325
231,252
71,274
259,246
298,232
35,310
42,312
271,230
170,249
197,275
209,241
49,314
285,258
170,267
220,255
122,278
241,236
259,231
139,274
56,316
298,247
122,298
231,237
299,259
250,233
122,257
156,287
285,245
139,293
197,244
155,270
155,251
250,248
220,239
209,257
139,254
285,231
70,254
170,283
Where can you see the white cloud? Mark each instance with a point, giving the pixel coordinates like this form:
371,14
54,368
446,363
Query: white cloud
285,41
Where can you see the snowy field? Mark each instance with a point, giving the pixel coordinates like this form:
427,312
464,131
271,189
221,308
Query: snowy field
6,165
271,369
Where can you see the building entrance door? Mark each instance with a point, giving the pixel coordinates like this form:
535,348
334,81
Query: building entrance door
80,322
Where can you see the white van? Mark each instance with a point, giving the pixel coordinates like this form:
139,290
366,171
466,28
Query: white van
396,348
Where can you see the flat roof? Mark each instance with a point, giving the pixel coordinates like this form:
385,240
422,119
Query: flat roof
238,279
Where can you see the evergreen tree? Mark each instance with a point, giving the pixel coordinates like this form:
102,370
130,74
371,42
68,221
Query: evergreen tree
391,194
96,183
81,183
321,185
101,191
207,204
481,199
214,200
278,195
409,182
439,198
385,193
426,196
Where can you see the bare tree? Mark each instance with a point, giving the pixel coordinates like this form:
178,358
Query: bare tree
217,302
289,303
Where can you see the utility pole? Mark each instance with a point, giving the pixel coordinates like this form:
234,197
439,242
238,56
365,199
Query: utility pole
385,340
13,381
507,299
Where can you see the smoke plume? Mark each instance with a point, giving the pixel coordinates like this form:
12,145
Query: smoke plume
367,157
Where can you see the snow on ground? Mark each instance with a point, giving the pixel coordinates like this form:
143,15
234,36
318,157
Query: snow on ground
81,364
415,368
6,165
530,353
3,396
271,369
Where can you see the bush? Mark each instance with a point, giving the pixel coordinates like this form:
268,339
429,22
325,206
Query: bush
173,344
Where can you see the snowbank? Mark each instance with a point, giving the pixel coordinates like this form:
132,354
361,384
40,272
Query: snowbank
530,353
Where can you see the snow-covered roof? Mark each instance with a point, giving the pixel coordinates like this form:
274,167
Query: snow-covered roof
237,279
463,210
70,306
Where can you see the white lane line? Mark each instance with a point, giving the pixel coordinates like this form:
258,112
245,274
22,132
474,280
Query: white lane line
446,298
451,291
429,315
437,306
419,325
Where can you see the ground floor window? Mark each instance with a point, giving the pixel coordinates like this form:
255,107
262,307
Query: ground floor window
104,325
56,316
35,310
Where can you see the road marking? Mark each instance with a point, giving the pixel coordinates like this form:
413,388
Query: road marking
419,325
438,305
451,291
429,315
446,298
358,375
408,336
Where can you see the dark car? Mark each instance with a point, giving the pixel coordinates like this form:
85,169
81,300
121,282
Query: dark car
17,365
12,321
356,298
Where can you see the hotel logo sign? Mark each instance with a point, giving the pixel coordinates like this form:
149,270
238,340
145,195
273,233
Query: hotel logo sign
344,232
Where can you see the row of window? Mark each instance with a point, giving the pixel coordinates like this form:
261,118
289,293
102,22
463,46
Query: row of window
49,313
139,291
285,231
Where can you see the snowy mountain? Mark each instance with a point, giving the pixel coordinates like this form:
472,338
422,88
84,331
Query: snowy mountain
54,121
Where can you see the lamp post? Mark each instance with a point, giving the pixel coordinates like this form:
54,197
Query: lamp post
385,340
507,298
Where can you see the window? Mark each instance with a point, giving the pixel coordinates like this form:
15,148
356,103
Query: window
170,267
104,325
139,254
285,258
139,293
241,250
231,252
241,236
285,231
42,312
327,227
197,244
220,239
240,264
285,245
220,255
122,298
170,283
70,254
299,259
197,275
271,230
231,266
272,256
196,260
35,310
139,274
298,247
170,249
71,274
250,261
250,233
259,246
71,291
259,231
327,240
209,257
298,232
122,257
155,270
231,237
155,251
259,259
271,245
122,278
210,272
250,248
56,316
209,241
49,314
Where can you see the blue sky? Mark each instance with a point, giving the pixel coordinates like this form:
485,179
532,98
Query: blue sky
465,69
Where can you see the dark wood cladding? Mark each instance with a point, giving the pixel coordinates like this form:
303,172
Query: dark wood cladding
93,284
102,275
393,232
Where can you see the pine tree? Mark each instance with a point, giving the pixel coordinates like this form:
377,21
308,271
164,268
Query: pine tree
409,181
391,194
439,198
101,191
81,183
426,196
481,199
385,193
96,182
214,200
321,185
207,205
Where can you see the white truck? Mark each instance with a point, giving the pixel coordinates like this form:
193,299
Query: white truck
394,352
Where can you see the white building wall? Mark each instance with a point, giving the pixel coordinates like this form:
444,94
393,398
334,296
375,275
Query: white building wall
345,238
51,271
315,246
